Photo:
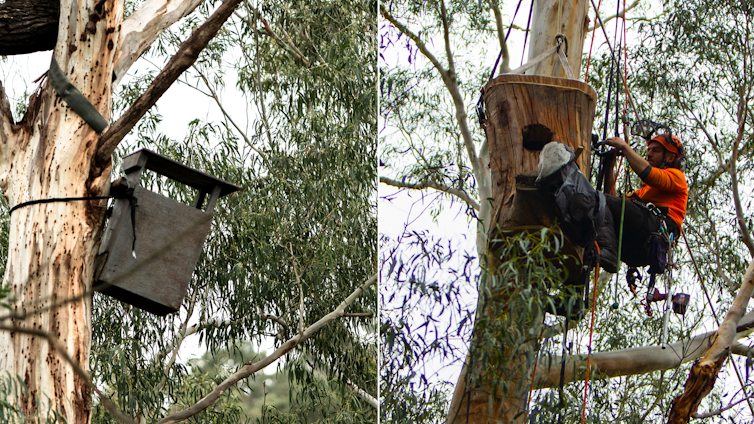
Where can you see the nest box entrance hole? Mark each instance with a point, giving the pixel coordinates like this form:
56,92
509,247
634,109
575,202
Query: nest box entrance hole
535,136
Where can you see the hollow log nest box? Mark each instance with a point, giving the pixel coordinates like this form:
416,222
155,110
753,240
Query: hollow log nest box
153,271
525,112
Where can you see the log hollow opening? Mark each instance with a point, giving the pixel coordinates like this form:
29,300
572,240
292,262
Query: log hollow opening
535,136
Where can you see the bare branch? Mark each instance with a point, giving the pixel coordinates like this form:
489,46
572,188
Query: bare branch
620,14
187,54
143,27
251,368
431,184
363,395
634,361
721,410
56,345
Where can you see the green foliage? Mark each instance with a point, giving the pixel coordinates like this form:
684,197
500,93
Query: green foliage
514,302
690,69
291,246
424,317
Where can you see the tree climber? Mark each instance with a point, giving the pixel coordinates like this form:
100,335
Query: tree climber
651,213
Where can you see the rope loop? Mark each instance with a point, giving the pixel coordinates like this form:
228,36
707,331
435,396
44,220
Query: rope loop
561,39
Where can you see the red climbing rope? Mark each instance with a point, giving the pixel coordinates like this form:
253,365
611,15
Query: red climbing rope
591,331
591,45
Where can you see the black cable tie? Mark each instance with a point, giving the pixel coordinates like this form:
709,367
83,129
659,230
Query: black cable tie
129,194
56,199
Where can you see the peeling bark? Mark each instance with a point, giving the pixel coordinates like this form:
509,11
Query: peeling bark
700,382
704,373
52,153
143,27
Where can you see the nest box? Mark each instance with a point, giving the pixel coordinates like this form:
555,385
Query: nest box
152,270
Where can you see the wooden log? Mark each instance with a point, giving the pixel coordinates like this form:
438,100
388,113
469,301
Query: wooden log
523,114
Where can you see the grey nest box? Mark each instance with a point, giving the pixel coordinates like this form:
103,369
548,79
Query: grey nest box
152,271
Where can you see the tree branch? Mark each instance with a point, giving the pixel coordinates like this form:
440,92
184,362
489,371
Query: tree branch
505,61
633,361
721,410
363,395
704,373
431,184
620,14
251,368
742,114
56,345
187,54
142,28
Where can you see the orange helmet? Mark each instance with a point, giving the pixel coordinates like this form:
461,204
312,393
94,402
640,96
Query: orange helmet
669,142
672,144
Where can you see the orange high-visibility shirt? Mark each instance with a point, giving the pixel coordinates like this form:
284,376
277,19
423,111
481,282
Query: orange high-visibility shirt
666,187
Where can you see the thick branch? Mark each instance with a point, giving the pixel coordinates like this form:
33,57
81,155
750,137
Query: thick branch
187,54
703,374
633,361
28,26
143,27
251,368
431,184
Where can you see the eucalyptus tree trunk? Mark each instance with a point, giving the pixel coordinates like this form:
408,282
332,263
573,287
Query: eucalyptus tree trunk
551,18
52,153
519,107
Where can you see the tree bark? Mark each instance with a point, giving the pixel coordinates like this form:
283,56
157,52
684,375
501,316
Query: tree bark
553,17
28,26
52,153
53,245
